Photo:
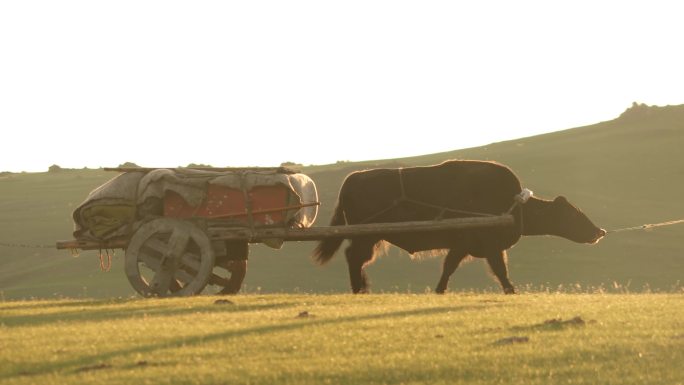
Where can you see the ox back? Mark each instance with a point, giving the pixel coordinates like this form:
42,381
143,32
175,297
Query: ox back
452,189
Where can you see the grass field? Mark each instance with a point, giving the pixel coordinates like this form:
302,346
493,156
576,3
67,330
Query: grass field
624,172
343,339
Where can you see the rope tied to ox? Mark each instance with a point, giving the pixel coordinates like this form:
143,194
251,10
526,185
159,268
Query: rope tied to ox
646,226
526,194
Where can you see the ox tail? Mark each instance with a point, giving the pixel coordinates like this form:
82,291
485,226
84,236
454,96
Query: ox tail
328,246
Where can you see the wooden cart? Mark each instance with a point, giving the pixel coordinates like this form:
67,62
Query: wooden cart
178,257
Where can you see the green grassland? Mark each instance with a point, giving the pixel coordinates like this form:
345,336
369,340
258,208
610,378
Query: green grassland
345,339
624,172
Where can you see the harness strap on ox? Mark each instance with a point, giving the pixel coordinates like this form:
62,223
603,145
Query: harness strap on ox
401,184
518,199
521,199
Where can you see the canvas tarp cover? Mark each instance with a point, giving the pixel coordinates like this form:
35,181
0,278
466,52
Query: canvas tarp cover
114,209
109,210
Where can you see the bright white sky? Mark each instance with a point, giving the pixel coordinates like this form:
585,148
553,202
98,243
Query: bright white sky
256,83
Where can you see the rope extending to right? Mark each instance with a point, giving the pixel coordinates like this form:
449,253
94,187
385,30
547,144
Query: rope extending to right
646,226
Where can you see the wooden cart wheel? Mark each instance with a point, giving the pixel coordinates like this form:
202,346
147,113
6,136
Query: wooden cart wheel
238,270
169,257
230,269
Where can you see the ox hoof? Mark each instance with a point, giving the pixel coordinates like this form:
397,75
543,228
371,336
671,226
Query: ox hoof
440,291
509,290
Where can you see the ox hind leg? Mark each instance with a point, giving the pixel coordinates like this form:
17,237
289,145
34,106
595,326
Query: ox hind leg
360,253
451,262
498,262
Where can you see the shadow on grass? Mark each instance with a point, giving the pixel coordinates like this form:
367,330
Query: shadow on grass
227,335
554,324
458,373
70,303
157,310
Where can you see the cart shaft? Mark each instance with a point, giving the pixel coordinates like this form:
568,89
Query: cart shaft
318,233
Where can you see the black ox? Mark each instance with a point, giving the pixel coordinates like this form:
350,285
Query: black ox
453,189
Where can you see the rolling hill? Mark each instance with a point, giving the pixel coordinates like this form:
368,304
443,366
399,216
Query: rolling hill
623,172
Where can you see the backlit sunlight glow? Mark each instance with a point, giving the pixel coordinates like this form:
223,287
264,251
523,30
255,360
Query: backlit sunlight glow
257,83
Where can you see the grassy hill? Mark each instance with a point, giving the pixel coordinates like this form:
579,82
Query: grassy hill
345,339
624,172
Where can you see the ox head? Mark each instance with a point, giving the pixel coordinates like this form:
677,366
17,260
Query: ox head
570,222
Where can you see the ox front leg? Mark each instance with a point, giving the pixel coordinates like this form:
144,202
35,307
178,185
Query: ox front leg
451,262
498,262
359,254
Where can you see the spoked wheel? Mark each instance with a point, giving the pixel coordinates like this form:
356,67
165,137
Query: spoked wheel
231,269
169,257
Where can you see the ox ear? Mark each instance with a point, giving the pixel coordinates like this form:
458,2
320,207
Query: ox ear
560,199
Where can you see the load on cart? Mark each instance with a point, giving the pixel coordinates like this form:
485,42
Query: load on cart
164,218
